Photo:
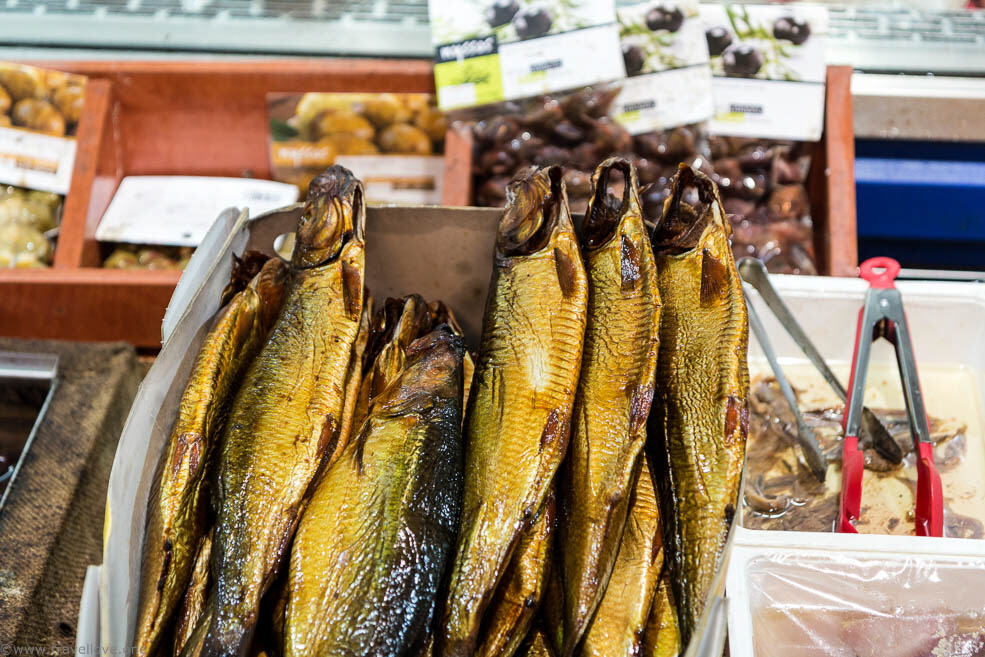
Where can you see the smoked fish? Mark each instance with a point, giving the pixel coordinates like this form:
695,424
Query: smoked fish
392,329
614,394
373,544
662,637
537,644
519,416
616,629
699,420
517,599
286,421
177,510
193,603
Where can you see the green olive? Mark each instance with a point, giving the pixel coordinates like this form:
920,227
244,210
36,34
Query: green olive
39,115
22,82
69,102
385,110
347,144
403,138
432,121
121,259
333,123
24,239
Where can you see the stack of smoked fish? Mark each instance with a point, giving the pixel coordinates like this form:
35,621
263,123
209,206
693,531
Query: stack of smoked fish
339,482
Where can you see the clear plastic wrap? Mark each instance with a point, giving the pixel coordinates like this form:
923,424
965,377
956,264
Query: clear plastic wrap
845,605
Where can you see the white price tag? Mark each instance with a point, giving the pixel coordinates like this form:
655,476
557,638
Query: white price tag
404,179
35,160
178,210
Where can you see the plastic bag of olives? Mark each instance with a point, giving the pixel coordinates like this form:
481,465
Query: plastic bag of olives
40,100
761,181
309,131
27,219
573,130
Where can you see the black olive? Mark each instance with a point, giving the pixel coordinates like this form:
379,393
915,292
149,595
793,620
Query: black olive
652,199
501,12
633,56
718,40
568,133
790,29
533,22
742,61
664,18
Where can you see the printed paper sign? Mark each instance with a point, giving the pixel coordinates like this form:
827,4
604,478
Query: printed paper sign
769,68
179,210
492,50
39,112
666,59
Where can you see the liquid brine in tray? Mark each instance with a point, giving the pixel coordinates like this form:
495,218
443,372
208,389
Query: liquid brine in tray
781,494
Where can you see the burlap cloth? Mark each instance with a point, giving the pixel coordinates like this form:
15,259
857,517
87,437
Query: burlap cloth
51,528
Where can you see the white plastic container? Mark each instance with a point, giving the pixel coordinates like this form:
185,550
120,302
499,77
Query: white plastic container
808,594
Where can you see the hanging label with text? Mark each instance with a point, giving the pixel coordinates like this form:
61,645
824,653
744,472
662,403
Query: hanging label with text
488,51
769,68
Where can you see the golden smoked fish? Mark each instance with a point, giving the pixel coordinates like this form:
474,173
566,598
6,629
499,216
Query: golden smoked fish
616,629
193,603
392,329
442,314
515,603
519,415
373,544
662,637
286,421
354,377
699,419
176,514
537,644
614,393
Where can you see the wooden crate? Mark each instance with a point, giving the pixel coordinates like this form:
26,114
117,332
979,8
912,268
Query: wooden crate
210,118
164,118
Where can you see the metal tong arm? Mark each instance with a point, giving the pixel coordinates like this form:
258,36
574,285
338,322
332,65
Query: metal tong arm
754,272
884,307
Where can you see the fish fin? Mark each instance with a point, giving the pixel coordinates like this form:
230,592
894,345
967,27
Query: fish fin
736,417
629,264
714,279
565,272
352,290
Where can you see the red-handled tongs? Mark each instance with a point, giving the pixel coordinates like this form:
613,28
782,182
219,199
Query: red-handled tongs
882,316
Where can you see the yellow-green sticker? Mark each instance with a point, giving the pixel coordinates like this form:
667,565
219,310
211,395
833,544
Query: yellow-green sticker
472,81
731,117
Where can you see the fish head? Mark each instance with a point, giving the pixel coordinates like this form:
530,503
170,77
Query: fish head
605,209
333,216
536,204
431,378
398,321
692,210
